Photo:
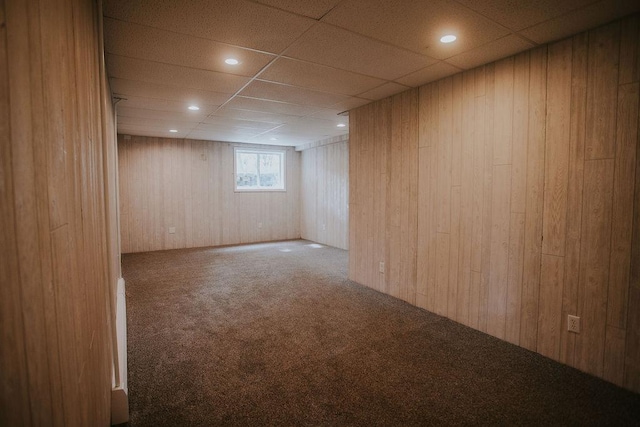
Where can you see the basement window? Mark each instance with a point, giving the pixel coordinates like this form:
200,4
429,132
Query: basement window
259,170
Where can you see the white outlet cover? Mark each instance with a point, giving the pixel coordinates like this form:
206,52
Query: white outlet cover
172,230
573,324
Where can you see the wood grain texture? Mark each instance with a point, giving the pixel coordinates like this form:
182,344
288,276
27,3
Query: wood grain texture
622,215
202,205
557,148
59,216
574,195
499,266
534,199
549,322
527,200
594,264
604,51
323,194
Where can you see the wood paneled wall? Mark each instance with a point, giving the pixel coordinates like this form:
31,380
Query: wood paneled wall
324,216
55,354
507,197
189,185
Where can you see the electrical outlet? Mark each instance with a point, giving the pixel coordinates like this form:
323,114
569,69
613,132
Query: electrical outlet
324,227
259,225
573,324
381,267
172,230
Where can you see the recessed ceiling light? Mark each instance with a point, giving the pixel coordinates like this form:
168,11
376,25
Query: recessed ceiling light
173,130
341,125
231,61
194,107
273,138
448,38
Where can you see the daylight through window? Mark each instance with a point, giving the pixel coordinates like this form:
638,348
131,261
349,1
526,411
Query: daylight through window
259,170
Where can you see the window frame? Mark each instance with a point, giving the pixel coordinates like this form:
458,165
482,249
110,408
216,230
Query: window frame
252,150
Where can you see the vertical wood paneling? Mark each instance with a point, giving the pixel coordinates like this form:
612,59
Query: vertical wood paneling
487,205
323,202
527,199
189,185
499,265
623,189
534,202
594,264
557,148
602,89
574,194
551,283
59,260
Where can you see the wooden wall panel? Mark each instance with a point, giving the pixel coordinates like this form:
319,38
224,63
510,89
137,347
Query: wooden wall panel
189,185
324,216
59,256
527,199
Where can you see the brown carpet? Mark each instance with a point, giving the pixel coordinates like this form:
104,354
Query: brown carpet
254,335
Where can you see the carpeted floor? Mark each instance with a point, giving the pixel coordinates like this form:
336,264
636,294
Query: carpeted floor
275,334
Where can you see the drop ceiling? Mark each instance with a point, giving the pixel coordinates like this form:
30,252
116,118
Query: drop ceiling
302,62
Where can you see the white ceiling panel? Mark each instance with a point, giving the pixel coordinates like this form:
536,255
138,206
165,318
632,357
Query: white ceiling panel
417,25
495,50
517,15
318,77
383,91
338,48
163,105
315,9
301,62
187,96
270,106
173,75
184,116
292,94
581,19
152,44
237,22
429,74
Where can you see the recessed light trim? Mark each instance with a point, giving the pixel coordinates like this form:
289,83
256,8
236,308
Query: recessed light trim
193,107
273,138
341,125
449,38
231,61
173,130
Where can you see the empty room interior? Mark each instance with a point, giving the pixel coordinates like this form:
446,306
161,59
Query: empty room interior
320,212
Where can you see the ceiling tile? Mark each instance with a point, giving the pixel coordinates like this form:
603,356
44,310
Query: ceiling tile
417,25
383,91
152,131
258,116
142,42
161,104
154,127
218,122
318,77
315,9
330,114
490,52
237,22
187,96
523,14
184,116
173,75
429,74
580,20
276,107
338,48
350,103
292,94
